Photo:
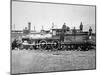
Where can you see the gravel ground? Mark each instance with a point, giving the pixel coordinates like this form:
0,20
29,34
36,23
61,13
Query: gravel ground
27,61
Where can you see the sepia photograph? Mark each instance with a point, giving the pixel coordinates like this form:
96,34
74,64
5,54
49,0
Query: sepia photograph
52,37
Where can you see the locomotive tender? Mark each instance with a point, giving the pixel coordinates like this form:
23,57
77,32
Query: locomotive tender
58,39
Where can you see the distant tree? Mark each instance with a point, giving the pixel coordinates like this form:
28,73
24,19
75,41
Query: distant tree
65,28
68,29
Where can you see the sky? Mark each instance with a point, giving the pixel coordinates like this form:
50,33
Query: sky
44,14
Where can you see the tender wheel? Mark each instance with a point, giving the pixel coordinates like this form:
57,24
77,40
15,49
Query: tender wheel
21,47
62,46
79,48
43,44
55,44
68,47
31,47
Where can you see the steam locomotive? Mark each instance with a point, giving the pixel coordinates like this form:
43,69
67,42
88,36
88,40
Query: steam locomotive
59,39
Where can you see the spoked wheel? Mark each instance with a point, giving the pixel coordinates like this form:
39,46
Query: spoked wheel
21,47
43,44
72,47
66,47
62,46
55,44
69,47
79,48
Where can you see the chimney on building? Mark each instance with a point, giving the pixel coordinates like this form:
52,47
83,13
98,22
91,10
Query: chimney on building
14,26
42,28
34,29
81,26
29,26
52,25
